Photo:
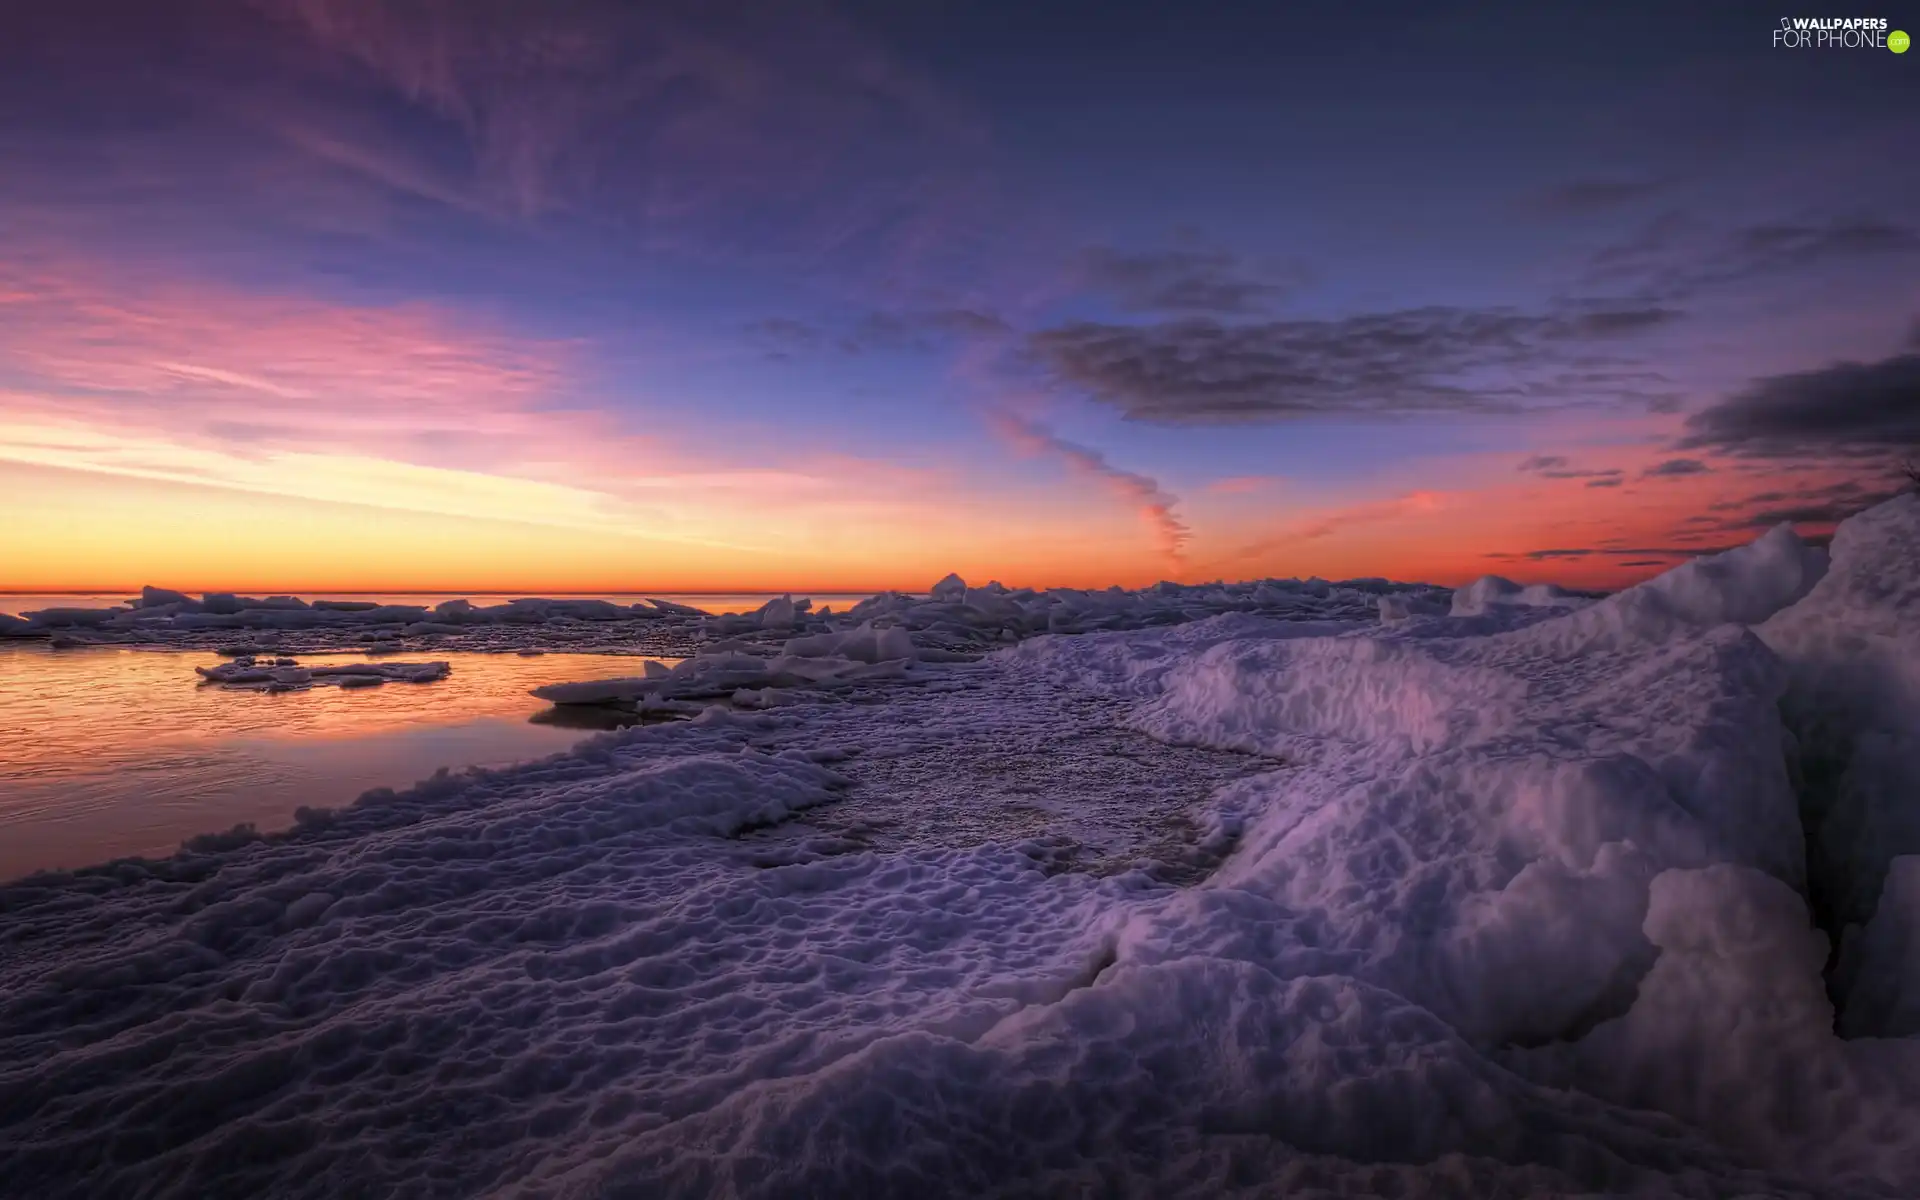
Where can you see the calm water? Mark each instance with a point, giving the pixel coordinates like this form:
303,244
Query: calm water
15,603
107,752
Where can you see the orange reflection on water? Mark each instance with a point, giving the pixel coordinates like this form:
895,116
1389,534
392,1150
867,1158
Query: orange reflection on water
108,752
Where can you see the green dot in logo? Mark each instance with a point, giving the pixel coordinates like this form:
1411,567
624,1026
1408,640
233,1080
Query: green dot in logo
1898,41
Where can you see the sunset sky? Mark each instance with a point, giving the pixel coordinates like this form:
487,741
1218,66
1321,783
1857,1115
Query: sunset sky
580,296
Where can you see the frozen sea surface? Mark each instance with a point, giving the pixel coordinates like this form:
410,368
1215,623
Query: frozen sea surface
1522,894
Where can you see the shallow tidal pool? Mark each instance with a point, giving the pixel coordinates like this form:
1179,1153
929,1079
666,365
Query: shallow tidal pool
107,752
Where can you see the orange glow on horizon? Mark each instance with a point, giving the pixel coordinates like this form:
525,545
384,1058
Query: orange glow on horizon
115,534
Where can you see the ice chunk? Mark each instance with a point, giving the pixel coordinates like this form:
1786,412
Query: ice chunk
674,608
951,588
68,618
1491,592
286,674
1745,585
1732,1032
153,597
1474,598
863,644
418,628
420,672
599,691
1402,606
392,614
777,613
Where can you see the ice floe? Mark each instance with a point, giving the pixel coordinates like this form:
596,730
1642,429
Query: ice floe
1240,890
286,674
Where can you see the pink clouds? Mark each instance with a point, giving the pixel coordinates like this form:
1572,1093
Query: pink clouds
412,406
209,363
1154,505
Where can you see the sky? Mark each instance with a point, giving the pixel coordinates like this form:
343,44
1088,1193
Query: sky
592,296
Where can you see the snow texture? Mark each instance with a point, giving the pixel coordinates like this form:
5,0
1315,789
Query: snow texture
1238,891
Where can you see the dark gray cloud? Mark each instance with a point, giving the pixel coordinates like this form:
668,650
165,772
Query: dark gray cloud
1823,505
1605,483
923,330
781,338
1675,468
1830,513
1623,320
1736,505
1584,197
1844,410
1555,466
1639,553
1642,554
1184,281
1674,256
1424,360
914,331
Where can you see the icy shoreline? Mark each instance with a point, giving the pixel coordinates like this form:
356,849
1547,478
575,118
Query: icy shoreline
953,619
1366,890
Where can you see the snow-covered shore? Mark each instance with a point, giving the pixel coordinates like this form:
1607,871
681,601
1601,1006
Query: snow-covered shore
1297,890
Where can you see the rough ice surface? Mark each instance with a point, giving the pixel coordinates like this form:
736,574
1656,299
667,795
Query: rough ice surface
1248,890
1852,650
1492,591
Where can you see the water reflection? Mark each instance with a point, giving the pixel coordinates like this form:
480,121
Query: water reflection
107,752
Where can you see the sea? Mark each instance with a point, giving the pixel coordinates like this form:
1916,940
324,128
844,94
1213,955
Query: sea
110,751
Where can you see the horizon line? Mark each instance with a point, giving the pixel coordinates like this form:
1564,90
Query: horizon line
430,591
259,592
